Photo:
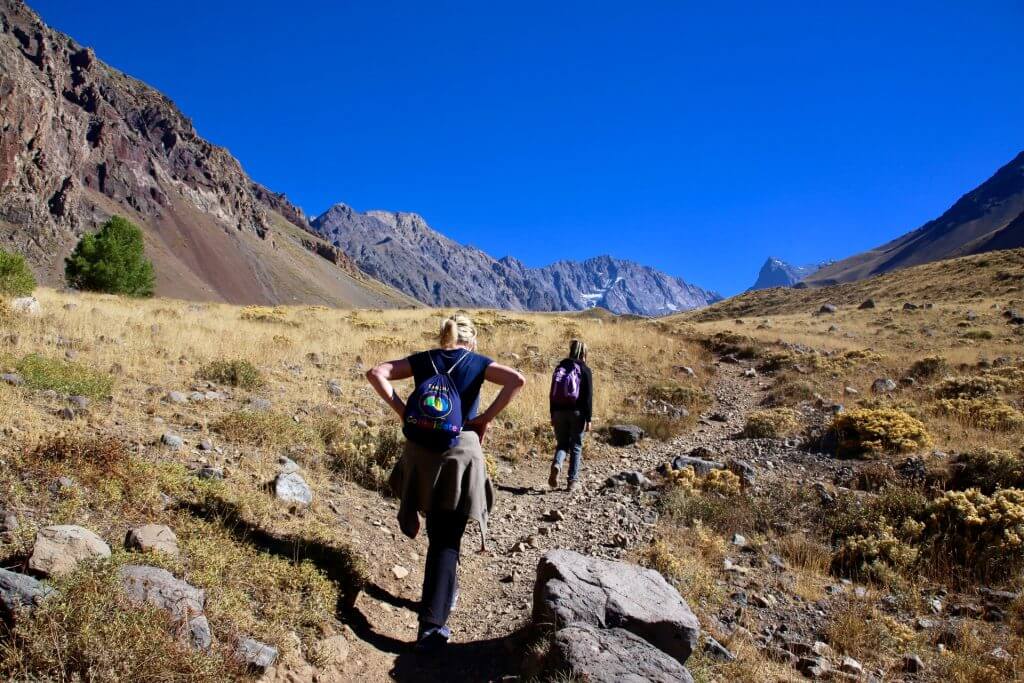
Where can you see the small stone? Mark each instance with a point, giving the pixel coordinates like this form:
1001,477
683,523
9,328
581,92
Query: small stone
210,472
866,304
205,445
18,591
851,666
12,378
79,402
292,488
67,413
399,571
554,515
739,540
814,667
883,385
715,650
750,372
259,404
287,465
58,549
172,441
850,391
827,309
152,538
255,654
26,305
912,663
199,634
175,397
334,387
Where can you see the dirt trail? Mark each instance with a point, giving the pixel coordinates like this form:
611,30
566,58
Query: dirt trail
497,585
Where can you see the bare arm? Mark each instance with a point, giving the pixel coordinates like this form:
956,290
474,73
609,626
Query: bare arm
380,377
511,381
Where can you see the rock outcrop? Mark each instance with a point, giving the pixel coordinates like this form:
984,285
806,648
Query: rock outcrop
81,141
777,273
606,613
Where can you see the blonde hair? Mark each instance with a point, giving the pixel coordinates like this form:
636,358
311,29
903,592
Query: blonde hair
578,350
457,329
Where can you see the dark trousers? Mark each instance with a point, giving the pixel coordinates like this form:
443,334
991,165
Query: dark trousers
441,575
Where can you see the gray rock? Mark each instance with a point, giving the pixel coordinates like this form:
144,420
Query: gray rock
79,402
58,549
8,522
26,305
18,592
210,472
827,309
158,587
699,465
912,663
883,385
259,404
197,396
851,666
172,441
715,650
867,303
287,465
814,667
630,477
292,488
67,413
175,397
12,378
199,634
255,654
744,470
205,445
612,655
625,435
572,588
334,387
910,307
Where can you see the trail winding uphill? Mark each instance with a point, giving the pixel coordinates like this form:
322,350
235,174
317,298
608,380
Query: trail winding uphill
489,638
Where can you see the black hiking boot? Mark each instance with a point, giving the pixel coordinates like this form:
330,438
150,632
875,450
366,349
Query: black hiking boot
553,477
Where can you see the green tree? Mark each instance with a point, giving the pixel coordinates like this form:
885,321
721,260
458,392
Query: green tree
112,260
15,277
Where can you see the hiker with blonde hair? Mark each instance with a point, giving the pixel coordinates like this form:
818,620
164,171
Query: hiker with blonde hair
571,404
442,472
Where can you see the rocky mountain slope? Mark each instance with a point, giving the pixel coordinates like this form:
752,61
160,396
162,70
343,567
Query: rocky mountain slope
406,253
81,141
777,273
987,218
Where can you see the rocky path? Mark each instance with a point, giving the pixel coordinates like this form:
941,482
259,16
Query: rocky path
528,519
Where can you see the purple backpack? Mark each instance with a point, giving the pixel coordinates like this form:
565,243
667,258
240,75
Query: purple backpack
565,385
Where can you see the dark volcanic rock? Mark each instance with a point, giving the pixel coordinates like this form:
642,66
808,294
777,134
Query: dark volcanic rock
625,435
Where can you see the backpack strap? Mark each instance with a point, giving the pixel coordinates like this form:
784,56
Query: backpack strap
462,358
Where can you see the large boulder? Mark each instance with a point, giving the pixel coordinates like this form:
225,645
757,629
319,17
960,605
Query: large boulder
576,589
625,435
613,656
18,592
58,549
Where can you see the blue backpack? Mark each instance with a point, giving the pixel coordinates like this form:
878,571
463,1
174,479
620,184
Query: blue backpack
433,413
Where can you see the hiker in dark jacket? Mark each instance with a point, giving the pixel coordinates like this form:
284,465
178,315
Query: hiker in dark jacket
572,403
442,472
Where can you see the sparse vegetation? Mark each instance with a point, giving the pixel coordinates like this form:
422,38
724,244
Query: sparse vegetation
66,377
16,278
112,261
235,373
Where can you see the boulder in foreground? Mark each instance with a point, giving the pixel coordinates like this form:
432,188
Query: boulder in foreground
574,589
613,656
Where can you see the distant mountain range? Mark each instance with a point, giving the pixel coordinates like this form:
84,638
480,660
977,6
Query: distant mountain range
401,250
987,218
777,273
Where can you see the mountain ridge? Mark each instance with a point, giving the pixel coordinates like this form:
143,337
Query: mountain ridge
403,250
82,141
989,217
779,273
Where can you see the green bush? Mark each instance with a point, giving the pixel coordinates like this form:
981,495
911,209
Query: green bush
983,534
236,373
15,277
928,367
111,261
44,373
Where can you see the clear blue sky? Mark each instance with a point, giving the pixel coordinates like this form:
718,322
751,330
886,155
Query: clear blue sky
693,138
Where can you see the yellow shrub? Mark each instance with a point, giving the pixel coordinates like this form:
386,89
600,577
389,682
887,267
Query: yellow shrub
971,387
265,314
983,533
722,481
982,413
879,554
868,431
989,469
773,423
